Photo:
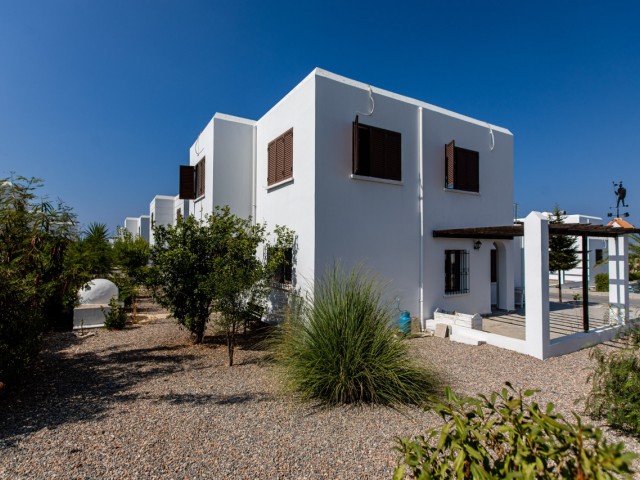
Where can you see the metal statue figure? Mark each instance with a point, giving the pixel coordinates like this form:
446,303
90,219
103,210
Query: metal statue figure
620,192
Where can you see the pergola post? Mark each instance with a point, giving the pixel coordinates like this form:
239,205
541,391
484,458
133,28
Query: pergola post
585,282
618,280
536,260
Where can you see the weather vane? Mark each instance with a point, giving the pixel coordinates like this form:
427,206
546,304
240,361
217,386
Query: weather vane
621,193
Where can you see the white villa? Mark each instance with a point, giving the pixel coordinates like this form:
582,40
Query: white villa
420,195
363,175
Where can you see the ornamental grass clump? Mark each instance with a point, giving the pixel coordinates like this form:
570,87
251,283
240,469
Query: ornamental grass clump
343,346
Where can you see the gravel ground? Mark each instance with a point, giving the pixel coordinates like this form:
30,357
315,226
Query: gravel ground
146,403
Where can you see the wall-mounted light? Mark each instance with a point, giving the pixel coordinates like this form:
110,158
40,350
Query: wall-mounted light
477,244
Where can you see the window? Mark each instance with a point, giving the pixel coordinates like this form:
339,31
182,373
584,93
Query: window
284,271
376,152
152,221
456,272
599,255
461,168
280,158
179,213
192,183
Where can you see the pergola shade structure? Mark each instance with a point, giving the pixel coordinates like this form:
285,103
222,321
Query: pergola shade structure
584,231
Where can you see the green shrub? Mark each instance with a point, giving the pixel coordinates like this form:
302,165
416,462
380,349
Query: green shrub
344,346
615,391
503,436
116,317
602,282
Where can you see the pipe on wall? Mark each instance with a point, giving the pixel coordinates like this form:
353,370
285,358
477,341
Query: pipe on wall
421,215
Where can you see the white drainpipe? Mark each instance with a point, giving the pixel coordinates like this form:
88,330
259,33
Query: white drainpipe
254,167
421,208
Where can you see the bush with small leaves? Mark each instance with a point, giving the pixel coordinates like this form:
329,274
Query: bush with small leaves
602,282
116,317
505,436
615,390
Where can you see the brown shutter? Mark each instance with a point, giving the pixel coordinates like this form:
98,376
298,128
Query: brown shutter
271,172
354,147
200,169
279,159
474,171
466,170
288,154
187,182
449,159
393,155
377,152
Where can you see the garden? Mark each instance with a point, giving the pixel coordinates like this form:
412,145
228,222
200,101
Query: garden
335,391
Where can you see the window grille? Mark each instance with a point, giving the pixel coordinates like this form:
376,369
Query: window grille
456,272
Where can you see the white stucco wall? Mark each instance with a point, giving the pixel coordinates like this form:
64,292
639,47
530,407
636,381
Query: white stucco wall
132,225
161,211
145,227
293,203
378,223
180,206
227,145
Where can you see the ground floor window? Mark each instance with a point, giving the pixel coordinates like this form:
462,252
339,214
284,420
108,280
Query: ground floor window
456,272
284,271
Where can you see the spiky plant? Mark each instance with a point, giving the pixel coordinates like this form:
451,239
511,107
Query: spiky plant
343,345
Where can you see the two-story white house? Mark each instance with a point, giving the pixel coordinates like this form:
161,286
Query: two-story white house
364,176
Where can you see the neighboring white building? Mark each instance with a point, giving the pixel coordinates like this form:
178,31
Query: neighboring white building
138,226
597,253
365,176
161,212
221,167
180,208
132,225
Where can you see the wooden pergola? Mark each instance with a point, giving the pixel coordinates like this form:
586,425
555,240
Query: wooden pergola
582,230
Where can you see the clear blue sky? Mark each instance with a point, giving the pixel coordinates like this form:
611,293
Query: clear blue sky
102,98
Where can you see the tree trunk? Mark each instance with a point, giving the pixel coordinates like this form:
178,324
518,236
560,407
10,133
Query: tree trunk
560,286
230,345
199,331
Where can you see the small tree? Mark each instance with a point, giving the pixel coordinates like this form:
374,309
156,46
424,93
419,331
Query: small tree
38,283
131,257
201,267
563,253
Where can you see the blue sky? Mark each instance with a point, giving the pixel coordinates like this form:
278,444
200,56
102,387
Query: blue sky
102,99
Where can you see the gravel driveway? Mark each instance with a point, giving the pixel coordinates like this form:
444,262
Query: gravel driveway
146,403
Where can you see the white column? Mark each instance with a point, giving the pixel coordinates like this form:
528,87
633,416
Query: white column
506,277
618,280
536,281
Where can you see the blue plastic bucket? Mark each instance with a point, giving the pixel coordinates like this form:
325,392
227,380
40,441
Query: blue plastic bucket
405,322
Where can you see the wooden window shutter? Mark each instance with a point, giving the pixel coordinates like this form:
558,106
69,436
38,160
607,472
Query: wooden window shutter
393,155
354,147
288,154
187,182
279,159
271,173
200,176
474,171
449,158
377,153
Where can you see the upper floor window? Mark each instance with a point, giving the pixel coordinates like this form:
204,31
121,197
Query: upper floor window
462,168
280,158
376,152
192,179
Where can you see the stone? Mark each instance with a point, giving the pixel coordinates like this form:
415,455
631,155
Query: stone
99,291
442,330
